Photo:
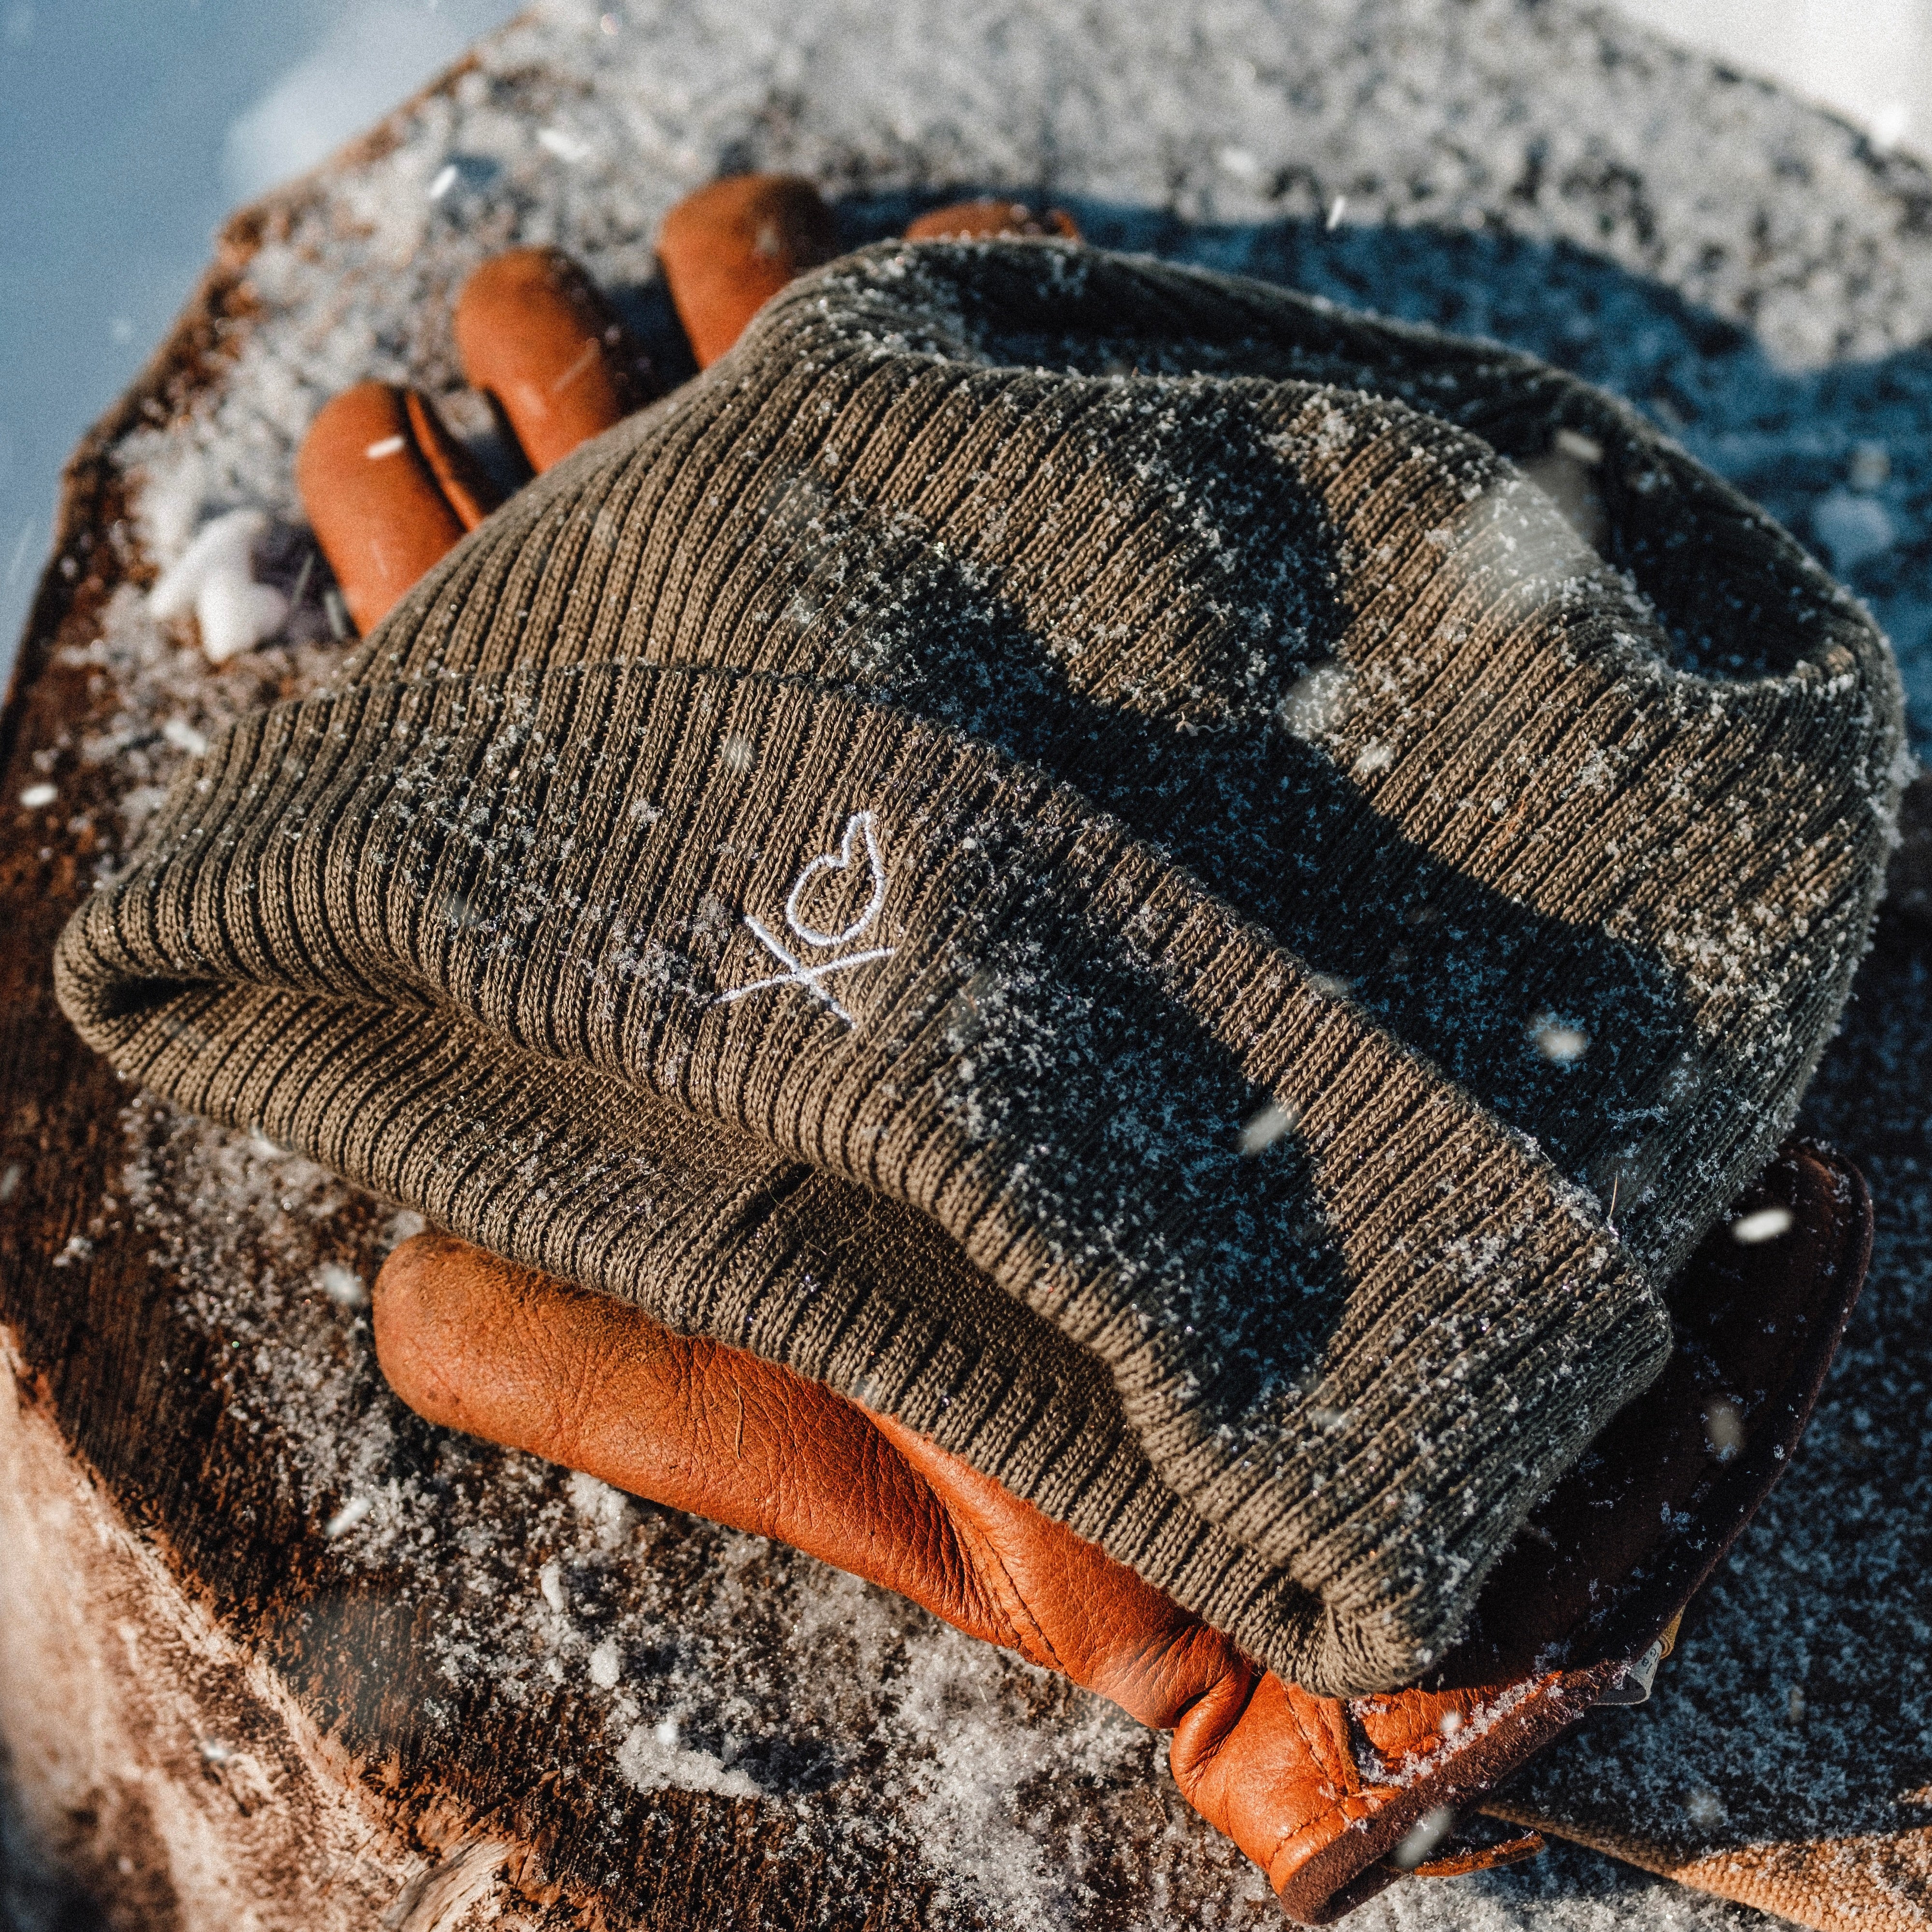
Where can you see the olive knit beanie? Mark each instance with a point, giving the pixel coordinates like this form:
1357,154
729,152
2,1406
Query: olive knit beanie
1072,848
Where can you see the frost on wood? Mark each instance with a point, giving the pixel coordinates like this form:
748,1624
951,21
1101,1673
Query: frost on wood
717,1662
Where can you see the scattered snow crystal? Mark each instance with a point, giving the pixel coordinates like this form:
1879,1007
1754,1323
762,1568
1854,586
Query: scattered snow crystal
651,1758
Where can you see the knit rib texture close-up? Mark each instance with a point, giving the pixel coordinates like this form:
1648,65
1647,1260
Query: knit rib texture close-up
1200,897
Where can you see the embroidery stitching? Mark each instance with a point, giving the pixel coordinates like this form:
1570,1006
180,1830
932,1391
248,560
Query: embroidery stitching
797,973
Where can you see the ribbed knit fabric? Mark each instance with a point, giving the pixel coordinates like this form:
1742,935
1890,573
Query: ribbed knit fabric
1026,847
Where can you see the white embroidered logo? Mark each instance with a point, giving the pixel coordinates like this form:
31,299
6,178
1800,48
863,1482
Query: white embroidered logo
858,827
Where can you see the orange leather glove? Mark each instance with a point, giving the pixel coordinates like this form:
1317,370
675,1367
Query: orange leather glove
388,490
1323,1795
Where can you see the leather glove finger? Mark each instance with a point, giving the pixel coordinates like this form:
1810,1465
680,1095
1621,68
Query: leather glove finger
978,220
388,491
727,249
535,334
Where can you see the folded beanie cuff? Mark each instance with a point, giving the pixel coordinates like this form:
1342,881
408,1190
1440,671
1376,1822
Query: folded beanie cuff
816,1027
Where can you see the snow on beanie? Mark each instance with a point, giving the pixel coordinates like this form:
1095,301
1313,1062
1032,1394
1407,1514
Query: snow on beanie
1070,848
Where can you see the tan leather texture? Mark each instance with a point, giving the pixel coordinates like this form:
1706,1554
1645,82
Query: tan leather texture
534,333
975,220
373,498
1318,1792
727,249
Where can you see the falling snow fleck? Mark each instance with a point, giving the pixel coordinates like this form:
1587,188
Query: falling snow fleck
355,1511
1724,1430
1563,1045
1870,466
36,796
1336,208
1704,1808
1889,125
1852,529
1766,1225
1263,1128
566,146
336,610
344,1286
1424,1835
